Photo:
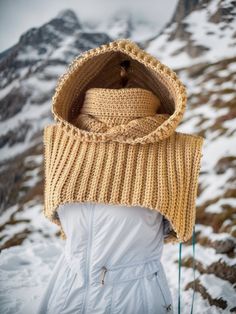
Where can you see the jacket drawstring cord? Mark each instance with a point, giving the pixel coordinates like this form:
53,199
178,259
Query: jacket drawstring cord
180,251
193,244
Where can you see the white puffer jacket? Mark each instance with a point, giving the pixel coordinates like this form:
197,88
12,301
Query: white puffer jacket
110,263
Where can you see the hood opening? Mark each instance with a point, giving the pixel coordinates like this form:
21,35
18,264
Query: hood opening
101,67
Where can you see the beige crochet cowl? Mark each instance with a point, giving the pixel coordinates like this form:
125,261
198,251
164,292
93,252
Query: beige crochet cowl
114,139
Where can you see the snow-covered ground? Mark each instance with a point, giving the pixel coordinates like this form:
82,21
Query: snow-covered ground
25,271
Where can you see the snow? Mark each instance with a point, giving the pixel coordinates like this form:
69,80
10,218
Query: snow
61,52
29,53
207,231
123,23
29,110
34,177
230,124
213,184
232,67
34,158
8,88
215,145
37,115
216,207
52,70
67,16
202,33
34,83
11,151
223,73
24,272
7,213
216,287
164,52
219,148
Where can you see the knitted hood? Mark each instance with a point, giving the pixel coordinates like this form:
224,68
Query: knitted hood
114,141
101,68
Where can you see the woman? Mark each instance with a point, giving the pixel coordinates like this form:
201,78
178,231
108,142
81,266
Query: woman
119,181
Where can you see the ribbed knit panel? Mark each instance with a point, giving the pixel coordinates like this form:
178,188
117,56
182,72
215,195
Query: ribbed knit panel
117,173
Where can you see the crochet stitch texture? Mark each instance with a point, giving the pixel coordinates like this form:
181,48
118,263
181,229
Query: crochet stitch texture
118,145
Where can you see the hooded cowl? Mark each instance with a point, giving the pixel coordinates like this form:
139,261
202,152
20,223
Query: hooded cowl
114,140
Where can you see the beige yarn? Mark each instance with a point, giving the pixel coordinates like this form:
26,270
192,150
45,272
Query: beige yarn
120,112
118,145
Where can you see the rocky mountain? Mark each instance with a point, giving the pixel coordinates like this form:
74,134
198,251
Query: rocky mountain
199,31
199,44
28,75
124,25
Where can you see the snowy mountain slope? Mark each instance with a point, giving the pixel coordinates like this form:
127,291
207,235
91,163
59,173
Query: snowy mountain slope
200,31
199,43
123,25
30,69
29,72
28,76
211,113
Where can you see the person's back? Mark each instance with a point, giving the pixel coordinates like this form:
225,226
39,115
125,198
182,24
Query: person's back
111,260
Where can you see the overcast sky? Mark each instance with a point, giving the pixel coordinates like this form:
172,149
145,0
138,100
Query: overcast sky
17,16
